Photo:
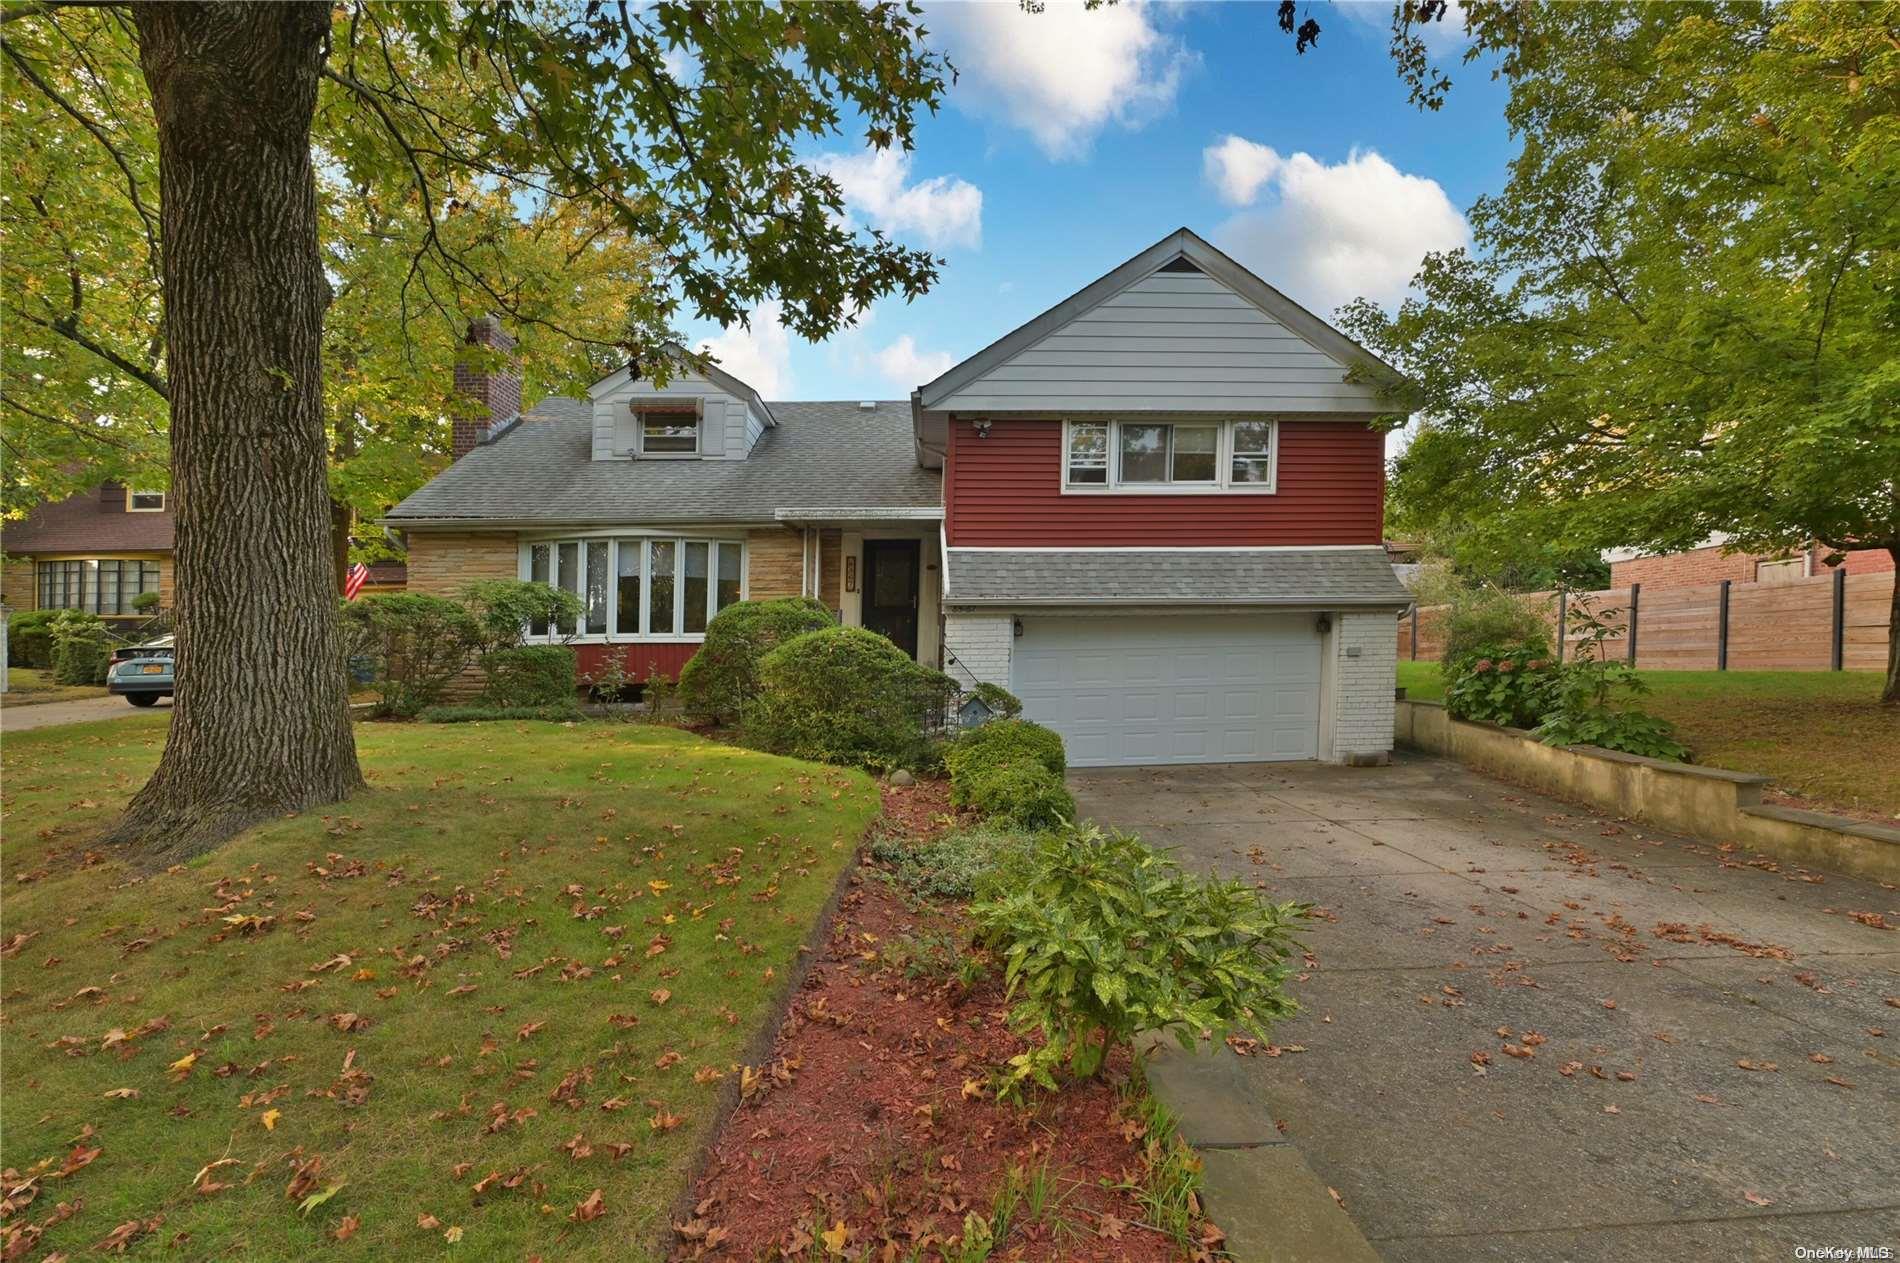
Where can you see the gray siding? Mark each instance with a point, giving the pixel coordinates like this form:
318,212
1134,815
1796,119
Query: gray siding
729,426
1168,342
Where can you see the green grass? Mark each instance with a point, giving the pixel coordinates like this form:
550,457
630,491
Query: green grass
27,686
611,862
1822,735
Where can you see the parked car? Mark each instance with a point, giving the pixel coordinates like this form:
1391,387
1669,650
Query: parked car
142,674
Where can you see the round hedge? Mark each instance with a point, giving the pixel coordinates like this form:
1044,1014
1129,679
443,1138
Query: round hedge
724,675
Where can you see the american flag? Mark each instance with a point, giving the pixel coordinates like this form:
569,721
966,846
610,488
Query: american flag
354,581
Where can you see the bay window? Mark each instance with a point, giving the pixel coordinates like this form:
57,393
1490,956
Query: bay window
639,587
1188,456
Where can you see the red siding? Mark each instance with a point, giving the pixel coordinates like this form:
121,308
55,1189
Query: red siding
1007,490
666,658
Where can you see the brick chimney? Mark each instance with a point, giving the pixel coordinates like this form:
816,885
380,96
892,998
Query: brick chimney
488,374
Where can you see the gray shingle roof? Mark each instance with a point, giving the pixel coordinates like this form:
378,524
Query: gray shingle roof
1087,576
819,455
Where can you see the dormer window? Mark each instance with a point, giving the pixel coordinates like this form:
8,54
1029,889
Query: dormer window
667,427
145,502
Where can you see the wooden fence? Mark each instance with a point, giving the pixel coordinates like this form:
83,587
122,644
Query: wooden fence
1835,621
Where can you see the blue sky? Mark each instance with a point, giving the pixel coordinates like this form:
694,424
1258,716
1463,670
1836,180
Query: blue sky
1075,139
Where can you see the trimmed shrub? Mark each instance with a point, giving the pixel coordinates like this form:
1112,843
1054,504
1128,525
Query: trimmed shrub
1002,703
1480,618
506,610
568,714
82,648
145,602
1018,792
416,643
529,675
30,638
845,695
1102,938
724,675
1003,740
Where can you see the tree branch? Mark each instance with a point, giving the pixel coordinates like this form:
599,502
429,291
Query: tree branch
69,329
62,422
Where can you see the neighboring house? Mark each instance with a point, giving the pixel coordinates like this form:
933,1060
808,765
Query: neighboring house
95,551
1153,513
1707,563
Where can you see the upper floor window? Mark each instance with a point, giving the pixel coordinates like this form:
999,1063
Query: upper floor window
145,501
668,429
1169,456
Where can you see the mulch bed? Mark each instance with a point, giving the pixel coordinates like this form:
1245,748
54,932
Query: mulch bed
875,1110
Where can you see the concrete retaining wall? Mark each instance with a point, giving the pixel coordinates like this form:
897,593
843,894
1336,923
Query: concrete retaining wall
1708,802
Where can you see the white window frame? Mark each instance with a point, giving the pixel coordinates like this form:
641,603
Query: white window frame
132,501
615,540
656,406
1223,483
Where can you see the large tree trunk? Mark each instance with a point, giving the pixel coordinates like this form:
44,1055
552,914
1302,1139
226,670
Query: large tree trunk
261,722
1891,693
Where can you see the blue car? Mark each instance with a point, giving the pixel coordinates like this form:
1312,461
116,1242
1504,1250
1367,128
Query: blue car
142,674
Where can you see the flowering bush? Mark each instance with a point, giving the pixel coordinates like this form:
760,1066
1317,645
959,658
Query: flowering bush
1510,685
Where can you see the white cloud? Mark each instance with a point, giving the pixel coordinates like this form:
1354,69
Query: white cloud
1338,231
943,211
1063,74
758,354
907,368
1238,167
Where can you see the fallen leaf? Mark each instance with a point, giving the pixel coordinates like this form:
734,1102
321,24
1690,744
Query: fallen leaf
592,1208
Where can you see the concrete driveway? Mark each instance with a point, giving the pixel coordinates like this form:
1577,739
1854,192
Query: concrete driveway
1714,1039
47,714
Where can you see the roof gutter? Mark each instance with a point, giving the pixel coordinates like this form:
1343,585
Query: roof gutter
1329,602
905,514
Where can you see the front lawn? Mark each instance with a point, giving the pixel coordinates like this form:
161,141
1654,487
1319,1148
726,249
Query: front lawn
28,687
1822,735
483,1010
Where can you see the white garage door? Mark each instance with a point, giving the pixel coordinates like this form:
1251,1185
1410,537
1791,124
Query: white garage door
1189,689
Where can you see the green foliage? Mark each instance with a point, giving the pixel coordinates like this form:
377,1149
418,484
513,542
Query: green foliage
1016,793
845,695
1508,685
612,681
30,638
1677,317
529,676
416,643
1479,617
1003,704
723,676
82,648
1630,731
1103,938
1001,740
145,602
505,609
949,866
559,714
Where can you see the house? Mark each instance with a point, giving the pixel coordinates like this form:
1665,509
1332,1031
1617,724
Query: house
98,550
1153,512
1707,563
95,551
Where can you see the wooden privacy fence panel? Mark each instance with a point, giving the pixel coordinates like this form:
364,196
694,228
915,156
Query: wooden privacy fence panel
1787,626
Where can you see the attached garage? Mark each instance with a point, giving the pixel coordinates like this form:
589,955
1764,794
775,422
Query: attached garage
1150,689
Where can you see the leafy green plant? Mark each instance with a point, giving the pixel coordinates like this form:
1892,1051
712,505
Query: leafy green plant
1017,792
82,648
1103,938
613,681
1003,704
567,714
145,602
506,611
1482,616
416,644
1591,696
724,675
30,638
949,866
529,675
1628,731
1169,1186
1505,684
844,695
1003,740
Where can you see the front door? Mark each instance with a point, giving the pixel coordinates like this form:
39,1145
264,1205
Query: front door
890,590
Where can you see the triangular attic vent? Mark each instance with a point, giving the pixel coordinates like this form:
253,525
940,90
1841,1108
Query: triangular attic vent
1180,264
